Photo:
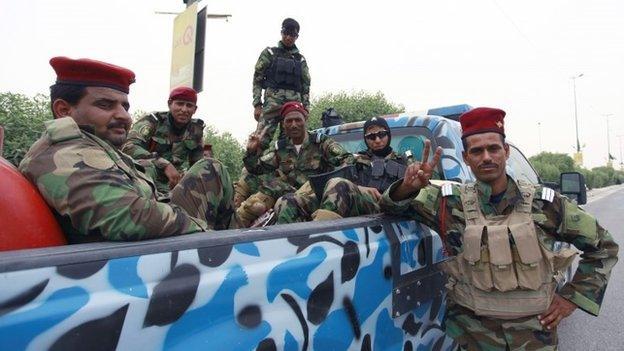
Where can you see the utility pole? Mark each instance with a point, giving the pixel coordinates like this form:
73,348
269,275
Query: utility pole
609,163
539,135
578,157
621,160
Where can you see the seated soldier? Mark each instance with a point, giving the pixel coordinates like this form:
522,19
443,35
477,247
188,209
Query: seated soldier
286,165
171,140
96,191
375,169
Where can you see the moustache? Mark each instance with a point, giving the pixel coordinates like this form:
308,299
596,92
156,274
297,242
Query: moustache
488,166
123,125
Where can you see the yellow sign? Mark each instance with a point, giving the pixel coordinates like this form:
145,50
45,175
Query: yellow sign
183,50
578,158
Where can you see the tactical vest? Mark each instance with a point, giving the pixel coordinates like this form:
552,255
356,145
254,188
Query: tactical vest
285,70
504,270
381,173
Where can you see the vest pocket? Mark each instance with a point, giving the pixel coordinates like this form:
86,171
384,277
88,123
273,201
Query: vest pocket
475,260
501,261
531,266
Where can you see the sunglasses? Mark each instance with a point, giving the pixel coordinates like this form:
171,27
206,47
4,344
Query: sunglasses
380,134
291,34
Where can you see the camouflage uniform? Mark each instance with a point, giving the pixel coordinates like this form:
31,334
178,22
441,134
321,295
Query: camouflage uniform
246,185
282,169
274,98
559,220
154,137
99,193
340,196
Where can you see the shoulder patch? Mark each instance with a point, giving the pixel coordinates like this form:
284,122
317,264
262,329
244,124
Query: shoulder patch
62,129
548,194
97,159
446,189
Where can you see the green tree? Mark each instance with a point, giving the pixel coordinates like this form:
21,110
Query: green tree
354,106
226,149
22,118
550,165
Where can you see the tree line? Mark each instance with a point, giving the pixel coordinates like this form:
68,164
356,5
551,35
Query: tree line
23,120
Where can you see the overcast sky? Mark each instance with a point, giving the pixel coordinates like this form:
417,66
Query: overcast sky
515,55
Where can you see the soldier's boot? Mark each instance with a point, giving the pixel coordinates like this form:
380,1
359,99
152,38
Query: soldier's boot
325,215
252,208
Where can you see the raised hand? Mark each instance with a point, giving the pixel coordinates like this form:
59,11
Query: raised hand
253,143
418,174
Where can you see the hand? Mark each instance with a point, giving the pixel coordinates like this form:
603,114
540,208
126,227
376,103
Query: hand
373,192
173,175
253,143
257,112
418,174
559,309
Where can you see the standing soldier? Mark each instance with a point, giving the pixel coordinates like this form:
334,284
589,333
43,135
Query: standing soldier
171,140
501,234
96,191
283,74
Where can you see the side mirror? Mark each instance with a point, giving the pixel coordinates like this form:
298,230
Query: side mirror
572,185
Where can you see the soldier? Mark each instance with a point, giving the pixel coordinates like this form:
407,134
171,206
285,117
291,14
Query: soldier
375,169
501,235
96,191
286,166
171,140
283,74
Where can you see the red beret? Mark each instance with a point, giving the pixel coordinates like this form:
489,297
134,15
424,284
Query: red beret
184,94
291,106
482,120
93,73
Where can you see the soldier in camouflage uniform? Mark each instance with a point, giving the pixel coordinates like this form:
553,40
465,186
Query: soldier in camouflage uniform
285,167
171,140
375,169
99,193
501,235
283,74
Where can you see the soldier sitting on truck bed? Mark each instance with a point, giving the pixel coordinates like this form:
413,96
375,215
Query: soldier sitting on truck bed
374,170
285,167
96,191
171,140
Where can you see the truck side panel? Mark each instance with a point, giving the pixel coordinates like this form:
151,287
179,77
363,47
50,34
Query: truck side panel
335,290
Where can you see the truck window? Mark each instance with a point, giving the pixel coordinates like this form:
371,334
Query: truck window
518,167
403,139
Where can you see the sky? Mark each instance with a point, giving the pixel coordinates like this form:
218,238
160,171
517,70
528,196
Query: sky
515,55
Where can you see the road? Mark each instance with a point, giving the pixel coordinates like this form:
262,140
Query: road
582,331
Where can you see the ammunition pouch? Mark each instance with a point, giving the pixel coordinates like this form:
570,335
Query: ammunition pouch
284,72
381,174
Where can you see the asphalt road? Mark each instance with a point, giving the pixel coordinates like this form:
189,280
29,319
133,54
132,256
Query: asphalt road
582,331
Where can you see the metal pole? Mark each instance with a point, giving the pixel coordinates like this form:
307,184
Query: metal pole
621,160
608,138
578,143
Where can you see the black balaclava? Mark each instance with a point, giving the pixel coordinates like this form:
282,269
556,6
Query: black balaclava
376,121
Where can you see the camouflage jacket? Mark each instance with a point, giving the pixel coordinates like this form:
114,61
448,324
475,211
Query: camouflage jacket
154,137
96,191
559,220
264,61
282,169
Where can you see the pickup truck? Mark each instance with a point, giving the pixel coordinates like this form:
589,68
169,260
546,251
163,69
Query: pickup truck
362,283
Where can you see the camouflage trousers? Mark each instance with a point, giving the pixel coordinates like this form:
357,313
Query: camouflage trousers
270,117
472,332
340,196
246,185
206,192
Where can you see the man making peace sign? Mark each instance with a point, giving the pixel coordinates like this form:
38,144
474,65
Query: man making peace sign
500,234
